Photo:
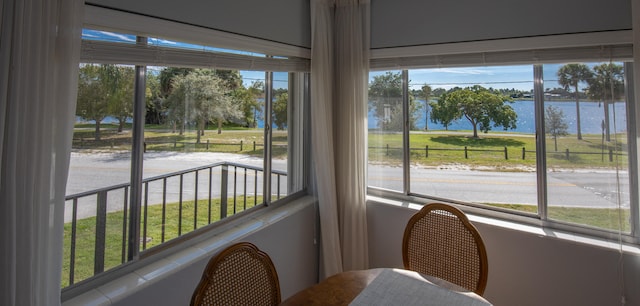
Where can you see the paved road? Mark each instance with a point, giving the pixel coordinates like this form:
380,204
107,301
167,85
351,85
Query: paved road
566,188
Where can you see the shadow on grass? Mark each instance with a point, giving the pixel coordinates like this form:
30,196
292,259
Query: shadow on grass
456,140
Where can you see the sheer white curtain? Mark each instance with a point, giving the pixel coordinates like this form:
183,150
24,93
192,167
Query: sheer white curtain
39,52
339,74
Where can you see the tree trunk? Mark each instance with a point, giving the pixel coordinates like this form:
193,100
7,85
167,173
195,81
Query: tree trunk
607,124
555,141
219,126
97,133
578,113
121,125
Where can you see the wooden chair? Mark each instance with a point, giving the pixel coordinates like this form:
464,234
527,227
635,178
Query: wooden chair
440,241
239,275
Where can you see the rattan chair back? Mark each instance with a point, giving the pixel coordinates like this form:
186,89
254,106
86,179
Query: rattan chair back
440,241
239,275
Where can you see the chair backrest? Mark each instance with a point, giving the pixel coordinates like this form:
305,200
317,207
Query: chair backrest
440,241
239,275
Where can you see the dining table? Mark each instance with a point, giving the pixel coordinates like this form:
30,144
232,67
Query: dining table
385,286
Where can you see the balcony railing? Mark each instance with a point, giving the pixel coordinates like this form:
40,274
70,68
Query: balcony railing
173,205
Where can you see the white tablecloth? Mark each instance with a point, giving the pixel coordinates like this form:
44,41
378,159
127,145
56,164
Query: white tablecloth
401,287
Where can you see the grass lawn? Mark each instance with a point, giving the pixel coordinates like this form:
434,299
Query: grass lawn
86,229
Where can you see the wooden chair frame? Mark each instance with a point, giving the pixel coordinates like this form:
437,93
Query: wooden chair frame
449,263
220,262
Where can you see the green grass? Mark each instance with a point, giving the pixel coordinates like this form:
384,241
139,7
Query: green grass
604,218
86,228
435,149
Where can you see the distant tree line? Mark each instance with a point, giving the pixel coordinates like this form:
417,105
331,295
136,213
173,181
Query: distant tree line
178,98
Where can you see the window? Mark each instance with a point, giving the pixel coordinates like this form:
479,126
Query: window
550,142
162,151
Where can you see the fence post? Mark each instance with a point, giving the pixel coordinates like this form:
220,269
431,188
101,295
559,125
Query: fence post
610,155
254,145
523,153
466,156
505,153
101,225
145,147
175,143
387,149
223,191
567,154
426,151
241,142
207,144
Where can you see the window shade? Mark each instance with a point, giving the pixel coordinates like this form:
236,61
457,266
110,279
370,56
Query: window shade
145,55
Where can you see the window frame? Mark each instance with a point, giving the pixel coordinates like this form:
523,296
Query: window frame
297,70
510,52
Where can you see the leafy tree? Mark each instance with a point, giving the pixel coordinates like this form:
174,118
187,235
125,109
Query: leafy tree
156,110
478,105
554,123
120,82
385,96
250,104
93,95
167,84
569,76
280,111
200,97
607,85
426,93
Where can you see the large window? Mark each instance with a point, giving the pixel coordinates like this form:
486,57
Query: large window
550,142
162,151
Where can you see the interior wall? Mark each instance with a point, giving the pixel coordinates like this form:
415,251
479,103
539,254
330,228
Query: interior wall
400,23
283,21
524,268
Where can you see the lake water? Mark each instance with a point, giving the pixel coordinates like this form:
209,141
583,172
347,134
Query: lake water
591,116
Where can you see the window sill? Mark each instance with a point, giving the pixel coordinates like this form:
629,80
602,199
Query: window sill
110,289
537,230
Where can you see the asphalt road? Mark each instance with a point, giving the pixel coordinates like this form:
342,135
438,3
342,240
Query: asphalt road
584,188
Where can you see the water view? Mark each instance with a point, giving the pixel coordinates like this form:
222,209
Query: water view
591,115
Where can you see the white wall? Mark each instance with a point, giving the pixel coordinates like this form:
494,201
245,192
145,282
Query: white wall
525,268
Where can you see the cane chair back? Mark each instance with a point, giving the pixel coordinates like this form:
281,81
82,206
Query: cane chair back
440,241
239,275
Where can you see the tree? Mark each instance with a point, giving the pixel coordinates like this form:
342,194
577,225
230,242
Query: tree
200,97
426,93
606,85
93,95
119,83
477,104
569,76
280,111
385,96
251,105
554,123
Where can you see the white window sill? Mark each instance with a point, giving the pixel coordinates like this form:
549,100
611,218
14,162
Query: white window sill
149,271
524,228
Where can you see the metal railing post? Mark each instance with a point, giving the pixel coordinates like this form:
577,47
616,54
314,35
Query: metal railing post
223,191
101,226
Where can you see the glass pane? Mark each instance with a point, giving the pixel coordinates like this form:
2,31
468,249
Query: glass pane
99,171
385,130
279,139
586,140
204,147
475,138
